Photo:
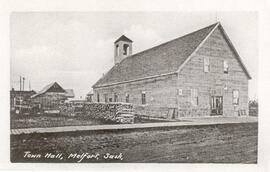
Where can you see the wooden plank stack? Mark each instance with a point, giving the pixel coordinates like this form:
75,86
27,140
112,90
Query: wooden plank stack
67,109
107,111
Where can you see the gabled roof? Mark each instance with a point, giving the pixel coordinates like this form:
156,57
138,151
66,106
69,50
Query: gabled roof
235,52
55,87
166,58
90,92
123,38
69,93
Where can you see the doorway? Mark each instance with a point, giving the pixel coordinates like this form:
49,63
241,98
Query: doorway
216,105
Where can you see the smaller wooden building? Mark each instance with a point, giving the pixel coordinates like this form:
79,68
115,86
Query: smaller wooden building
51,96
20,98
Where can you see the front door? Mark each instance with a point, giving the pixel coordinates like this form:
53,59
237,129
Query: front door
216,105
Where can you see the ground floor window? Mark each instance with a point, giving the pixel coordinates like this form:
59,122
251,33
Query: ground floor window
216,105
97,97
127,98
106,98
143,98
235,97
194,97
115,97
18,101
89,97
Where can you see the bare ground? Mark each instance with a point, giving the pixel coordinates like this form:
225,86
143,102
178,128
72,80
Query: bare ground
226,143
57,120
50,120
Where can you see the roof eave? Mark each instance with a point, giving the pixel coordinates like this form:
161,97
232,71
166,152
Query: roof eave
134,80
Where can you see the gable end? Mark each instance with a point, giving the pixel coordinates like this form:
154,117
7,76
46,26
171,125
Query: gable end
219,26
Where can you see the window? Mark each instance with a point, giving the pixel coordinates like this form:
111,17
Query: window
126,49
194,97
97,97
143,98
115,97
110,99
18,101
127,98
180,92
206,64
225,66
117,50
106,98
235,97
90,98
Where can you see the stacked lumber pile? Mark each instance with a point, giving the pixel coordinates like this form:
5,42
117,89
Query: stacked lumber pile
116,112
67,109
71,109
107,111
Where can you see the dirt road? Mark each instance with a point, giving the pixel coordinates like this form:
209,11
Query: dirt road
233,143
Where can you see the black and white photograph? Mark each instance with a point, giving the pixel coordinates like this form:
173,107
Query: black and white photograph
134,87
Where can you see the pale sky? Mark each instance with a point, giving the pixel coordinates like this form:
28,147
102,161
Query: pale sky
76,48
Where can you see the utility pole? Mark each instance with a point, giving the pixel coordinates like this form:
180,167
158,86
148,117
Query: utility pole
23,83
20,83
29,85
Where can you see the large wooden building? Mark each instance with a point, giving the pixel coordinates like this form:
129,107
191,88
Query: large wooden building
199,74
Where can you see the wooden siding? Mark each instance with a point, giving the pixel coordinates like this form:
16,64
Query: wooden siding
50,100
160,94
168,92
192,76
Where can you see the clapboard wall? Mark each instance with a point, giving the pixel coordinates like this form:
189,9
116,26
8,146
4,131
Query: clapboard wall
215,82
163,92
160,94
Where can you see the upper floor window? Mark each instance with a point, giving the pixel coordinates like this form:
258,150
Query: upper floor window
235,97
206,64
225,66
143,98
180,92
126,49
